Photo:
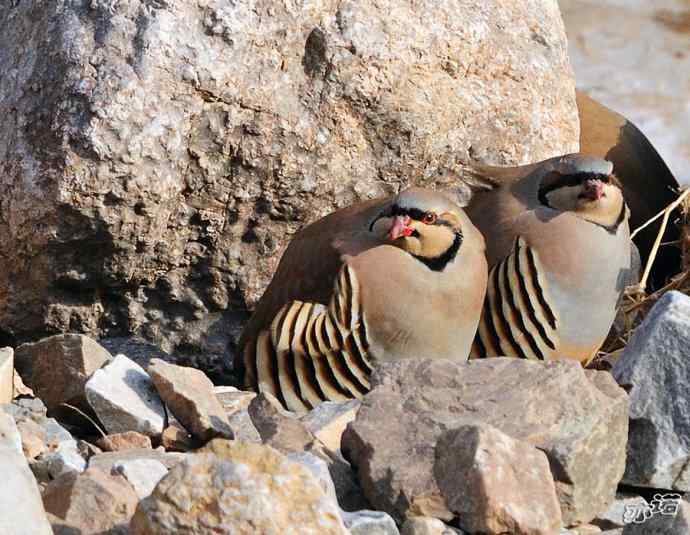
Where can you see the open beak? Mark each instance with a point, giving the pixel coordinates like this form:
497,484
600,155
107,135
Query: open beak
400,227
594,190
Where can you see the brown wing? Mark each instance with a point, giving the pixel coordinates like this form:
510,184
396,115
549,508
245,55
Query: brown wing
648,184
309,266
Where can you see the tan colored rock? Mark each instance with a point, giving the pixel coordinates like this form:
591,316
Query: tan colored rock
578,420
210,144
277,427
57,368
20,389
252,488
496,484
425,525
188,393
233,399
6,375
328,421
586,529
33,438
93,500
124,441
176,438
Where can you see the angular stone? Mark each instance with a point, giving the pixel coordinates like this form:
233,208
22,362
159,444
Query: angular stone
94,501
250,487
123,397
124,441
176,438
613,517
425,525
33,438
20,389
674,523
58,367
142,474
21,510
579,420
319,469
233,399
188,393
655,367
6,375
63,459
277,427
105,462
370,523
304,101
494,483
328,421
243,427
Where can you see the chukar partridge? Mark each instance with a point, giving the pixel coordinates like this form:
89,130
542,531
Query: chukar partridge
648,184
393,278
559,255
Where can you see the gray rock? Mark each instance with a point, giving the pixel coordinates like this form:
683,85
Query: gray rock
57,368
61,453
243,428
370,523
106,462
579,420
168,168
142,474
21,508
123,397
64,459
655,367
188,393
613,517
677,522
6,375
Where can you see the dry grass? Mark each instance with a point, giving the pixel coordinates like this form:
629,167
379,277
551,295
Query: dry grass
636,300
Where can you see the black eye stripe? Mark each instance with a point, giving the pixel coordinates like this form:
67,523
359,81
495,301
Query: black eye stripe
413,213
564,181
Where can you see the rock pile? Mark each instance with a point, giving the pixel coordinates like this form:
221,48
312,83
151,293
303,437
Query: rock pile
438,447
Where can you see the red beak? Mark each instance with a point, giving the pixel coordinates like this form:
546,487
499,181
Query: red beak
400,227
594,190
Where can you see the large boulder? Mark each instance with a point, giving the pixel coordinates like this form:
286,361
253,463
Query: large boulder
577,418
58,367
655,368
155,157
235,487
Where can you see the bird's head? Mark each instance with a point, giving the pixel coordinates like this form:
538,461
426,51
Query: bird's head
586,186
424,223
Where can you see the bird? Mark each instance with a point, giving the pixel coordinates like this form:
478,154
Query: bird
648,184
385,279
559,254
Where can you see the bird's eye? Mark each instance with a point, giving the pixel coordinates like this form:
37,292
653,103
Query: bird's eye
429,218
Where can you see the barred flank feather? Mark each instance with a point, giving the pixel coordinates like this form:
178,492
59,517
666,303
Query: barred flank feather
313,353
517,319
